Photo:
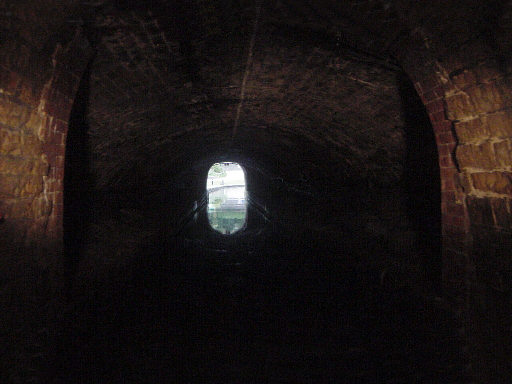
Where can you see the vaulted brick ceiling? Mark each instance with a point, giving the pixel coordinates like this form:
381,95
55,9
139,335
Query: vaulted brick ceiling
322,81
272,84
269,82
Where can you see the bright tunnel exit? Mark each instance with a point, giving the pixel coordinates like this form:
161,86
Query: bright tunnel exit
227,204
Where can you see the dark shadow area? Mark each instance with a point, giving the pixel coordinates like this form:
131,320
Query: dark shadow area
77,181
330,281
270,304
421,181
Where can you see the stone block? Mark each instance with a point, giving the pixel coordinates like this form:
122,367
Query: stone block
499,124
464,155
477,100
485,155
16,165
498,182
487,98
503,151
459,106
471,130
31,185
476,156
480,211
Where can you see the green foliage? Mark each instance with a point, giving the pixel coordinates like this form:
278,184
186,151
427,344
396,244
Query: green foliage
216,171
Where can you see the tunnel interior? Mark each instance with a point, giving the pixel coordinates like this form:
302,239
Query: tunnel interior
371,243
342,238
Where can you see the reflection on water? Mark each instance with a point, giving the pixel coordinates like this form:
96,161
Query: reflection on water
227,208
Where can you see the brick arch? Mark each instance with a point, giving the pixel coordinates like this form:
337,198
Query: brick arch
419,64
33,128
70,65
453,210
467,96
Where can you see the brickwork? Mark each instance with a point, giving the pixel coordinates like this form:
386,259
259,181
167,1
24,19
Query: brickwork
39,74
454,216
33,130
480,106
467,94
469,105
458,60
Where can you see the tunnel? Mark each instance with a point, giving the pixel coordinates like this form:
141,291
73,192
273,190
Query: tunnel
255,191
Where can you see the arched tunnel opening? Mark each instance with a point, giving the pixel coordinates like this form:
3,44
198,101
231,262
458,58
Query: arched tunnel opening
338,259
371,240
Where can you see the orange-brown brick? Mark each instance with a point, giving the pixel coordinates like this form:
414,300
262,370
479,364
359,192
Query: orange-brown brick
477,156
503,153
499,182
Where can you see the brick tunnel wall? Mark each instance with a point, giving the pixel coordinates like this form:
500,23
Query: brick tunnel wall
39,80
469,104
40,68
479,103
34,127
466,92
